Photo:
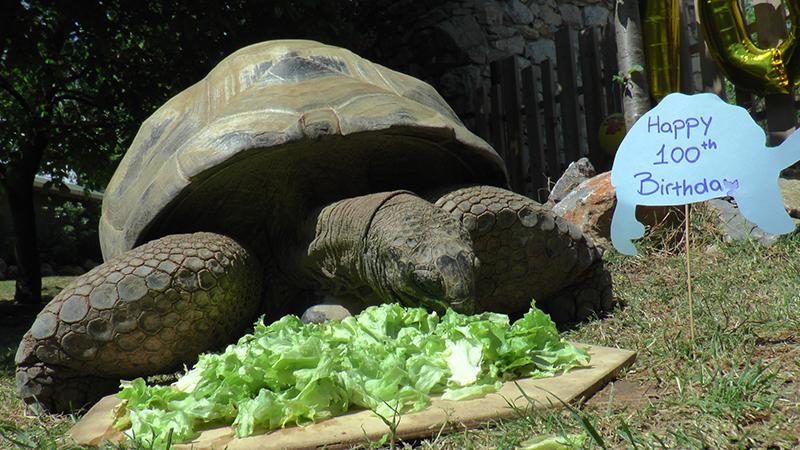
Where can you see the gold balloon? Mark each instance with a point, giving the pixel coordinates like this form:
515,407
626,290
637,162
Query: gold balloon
662,46
761,71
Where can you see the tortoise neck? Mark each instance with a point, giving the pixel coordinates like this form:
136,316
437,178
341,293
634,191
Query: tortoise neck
335,255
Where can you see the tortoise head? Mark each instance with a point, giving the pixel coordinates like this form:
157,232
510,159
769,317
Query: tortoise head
424,256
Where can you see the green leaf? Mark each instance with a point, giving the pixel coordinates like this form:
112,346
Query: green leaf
388,359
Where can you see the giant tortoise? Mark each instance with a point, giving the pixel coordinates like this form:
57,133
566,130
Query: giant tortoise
297,174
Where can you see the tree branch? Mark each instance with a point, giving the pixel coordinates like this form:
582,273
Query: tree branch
77,96
84,125
6,85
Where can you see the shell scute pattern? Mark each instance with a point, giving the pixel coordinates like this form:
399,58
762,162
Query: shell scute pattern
141,311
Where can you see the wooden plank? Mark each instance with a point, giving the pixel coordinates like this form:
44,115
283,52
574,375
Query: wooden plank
686,59
480,104
591,75
533,125
771,28
496,119
612,89
550,123
600,75
567,97
358,427
513,120
744,99
712,79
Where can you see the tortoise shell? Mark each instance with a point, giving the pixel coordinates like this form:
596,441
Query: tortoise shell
277,129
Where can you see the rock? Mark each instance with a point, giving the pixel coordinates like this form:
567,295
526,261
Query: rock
551,17
790,190
518,13
489,13
325,313
511,46
47,270
577,172
590,207
529,33
541,50
499,32
571,15
12,272
591,204
595,16
464,32
735,227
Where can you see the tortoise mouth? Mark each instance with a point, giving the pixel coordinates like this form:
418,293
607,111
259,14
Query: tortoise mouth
448,283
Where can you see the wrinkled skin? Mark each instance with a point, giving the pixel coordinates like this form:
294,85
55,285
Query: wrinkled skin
398,248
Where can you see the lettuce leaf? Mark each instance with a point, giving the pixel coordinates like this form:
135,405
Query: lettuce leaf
387,359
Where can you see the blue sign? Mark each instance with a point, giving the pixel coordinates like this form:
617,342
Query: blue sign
692,148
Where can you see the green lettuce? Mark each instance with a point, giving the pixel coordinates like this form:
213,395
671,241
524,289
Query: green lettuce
387,359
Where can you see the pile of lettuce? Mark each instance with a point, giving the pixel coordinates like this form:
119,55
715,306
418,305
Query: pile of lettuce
388,359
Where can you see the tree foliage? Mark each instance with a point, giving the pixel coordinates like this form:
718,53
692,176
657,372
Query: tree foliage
77,79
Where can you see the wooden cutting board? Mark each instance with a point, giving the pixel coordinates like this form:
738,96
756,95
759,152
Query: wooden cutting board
359,426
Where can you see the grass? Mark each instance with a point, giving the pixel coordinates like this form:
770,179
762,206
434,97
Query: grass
735,386
50,287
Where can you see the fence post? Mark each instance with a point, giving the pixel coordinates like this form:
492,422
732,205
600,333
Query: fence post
533,124
496,117
591,74
568,96
550,123
686,80
711,78
771,27
481,107
610,68
509,76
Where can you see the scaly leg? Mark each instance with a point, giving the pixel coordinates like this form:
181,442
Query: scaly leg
144,312
526,252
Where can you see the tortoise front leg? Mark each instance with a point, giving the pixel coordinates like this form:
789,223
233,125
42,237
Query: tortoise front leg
527,252
144,312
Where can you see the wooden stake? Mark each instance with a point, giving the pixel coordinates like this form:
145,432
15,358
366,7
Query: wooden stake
689,275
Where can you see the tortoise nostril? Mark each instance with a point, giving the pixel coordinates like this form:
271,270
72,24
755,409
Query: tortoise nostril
428,282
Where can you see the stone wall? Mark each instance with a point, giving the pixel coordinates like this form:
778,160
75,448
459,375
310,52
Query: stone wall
451,44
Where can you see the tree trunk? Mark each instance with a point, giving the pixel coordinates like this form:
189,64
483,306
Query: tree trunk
630,53
20,201
17,180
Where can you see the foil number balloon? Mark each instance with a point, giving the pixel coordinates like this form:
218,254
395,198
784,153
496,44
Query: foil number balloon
762,71
662,46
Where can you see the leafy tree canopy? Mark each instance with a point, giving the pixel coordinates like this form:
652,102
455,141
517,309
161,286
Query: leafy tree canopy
77,78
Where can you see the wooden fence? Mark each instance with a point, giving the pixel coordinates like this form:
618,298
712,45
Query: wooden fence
540,117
